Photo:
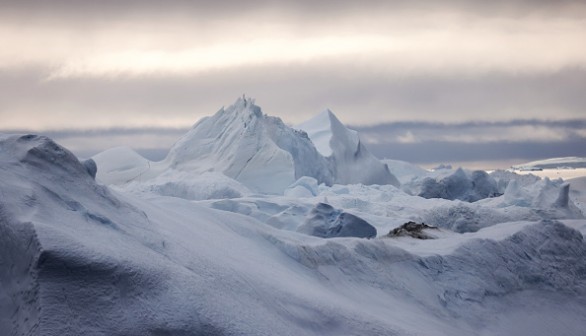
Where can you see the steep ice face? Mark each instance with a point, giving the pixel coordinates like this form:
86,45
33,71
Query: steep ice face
352,162
254,149
319,130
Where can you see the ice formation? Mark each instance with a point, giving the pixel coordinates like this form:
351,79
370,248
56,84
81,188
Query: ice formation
226,237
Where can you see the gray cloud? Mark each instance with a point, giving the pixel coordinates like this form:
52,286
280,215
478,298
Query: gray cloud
357,95
454,62
109,8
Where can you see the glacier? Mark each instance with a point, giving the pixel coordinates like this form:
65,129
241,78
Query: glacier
202,244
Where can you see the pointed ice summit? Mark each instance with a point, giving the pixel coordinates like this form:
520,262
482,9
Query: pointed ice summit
259,151
352,161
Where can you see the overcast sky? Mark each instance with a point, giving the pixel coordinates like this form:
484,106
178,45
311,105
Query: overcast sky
103,65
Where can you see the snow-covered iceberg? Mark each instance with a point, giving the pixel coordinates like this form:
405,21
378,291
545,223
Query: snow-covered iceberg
256,150
244,144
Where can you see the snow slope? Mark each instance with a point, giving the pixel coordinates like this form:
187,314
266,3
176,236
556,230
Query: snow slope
352,162
79,258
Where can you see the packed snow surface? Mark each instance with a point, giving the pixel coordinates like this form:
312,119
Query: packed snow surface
194,245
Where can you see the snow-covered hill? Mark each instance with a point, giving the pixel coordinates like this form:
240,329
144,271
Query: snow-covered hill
78,257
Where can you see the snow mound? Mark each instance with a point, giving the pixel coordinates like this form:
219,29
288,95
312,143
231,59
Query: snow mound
326,222
257,150
460,186
120,165
353,163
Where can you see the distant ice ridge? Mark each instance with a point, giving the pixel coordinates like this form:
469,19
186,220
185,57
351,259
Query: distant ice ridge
460,185
553,163
255,150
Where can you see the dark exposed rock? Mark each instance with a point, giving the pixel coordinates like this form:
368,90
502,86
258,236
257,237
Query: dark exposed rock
414,230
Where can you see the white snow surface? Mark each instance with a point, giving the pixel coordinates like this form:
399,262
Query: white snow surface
78,257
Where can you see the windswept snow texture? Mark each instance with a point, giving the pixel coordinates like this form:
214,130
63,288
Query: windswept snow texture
77,258
352,162
252,148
